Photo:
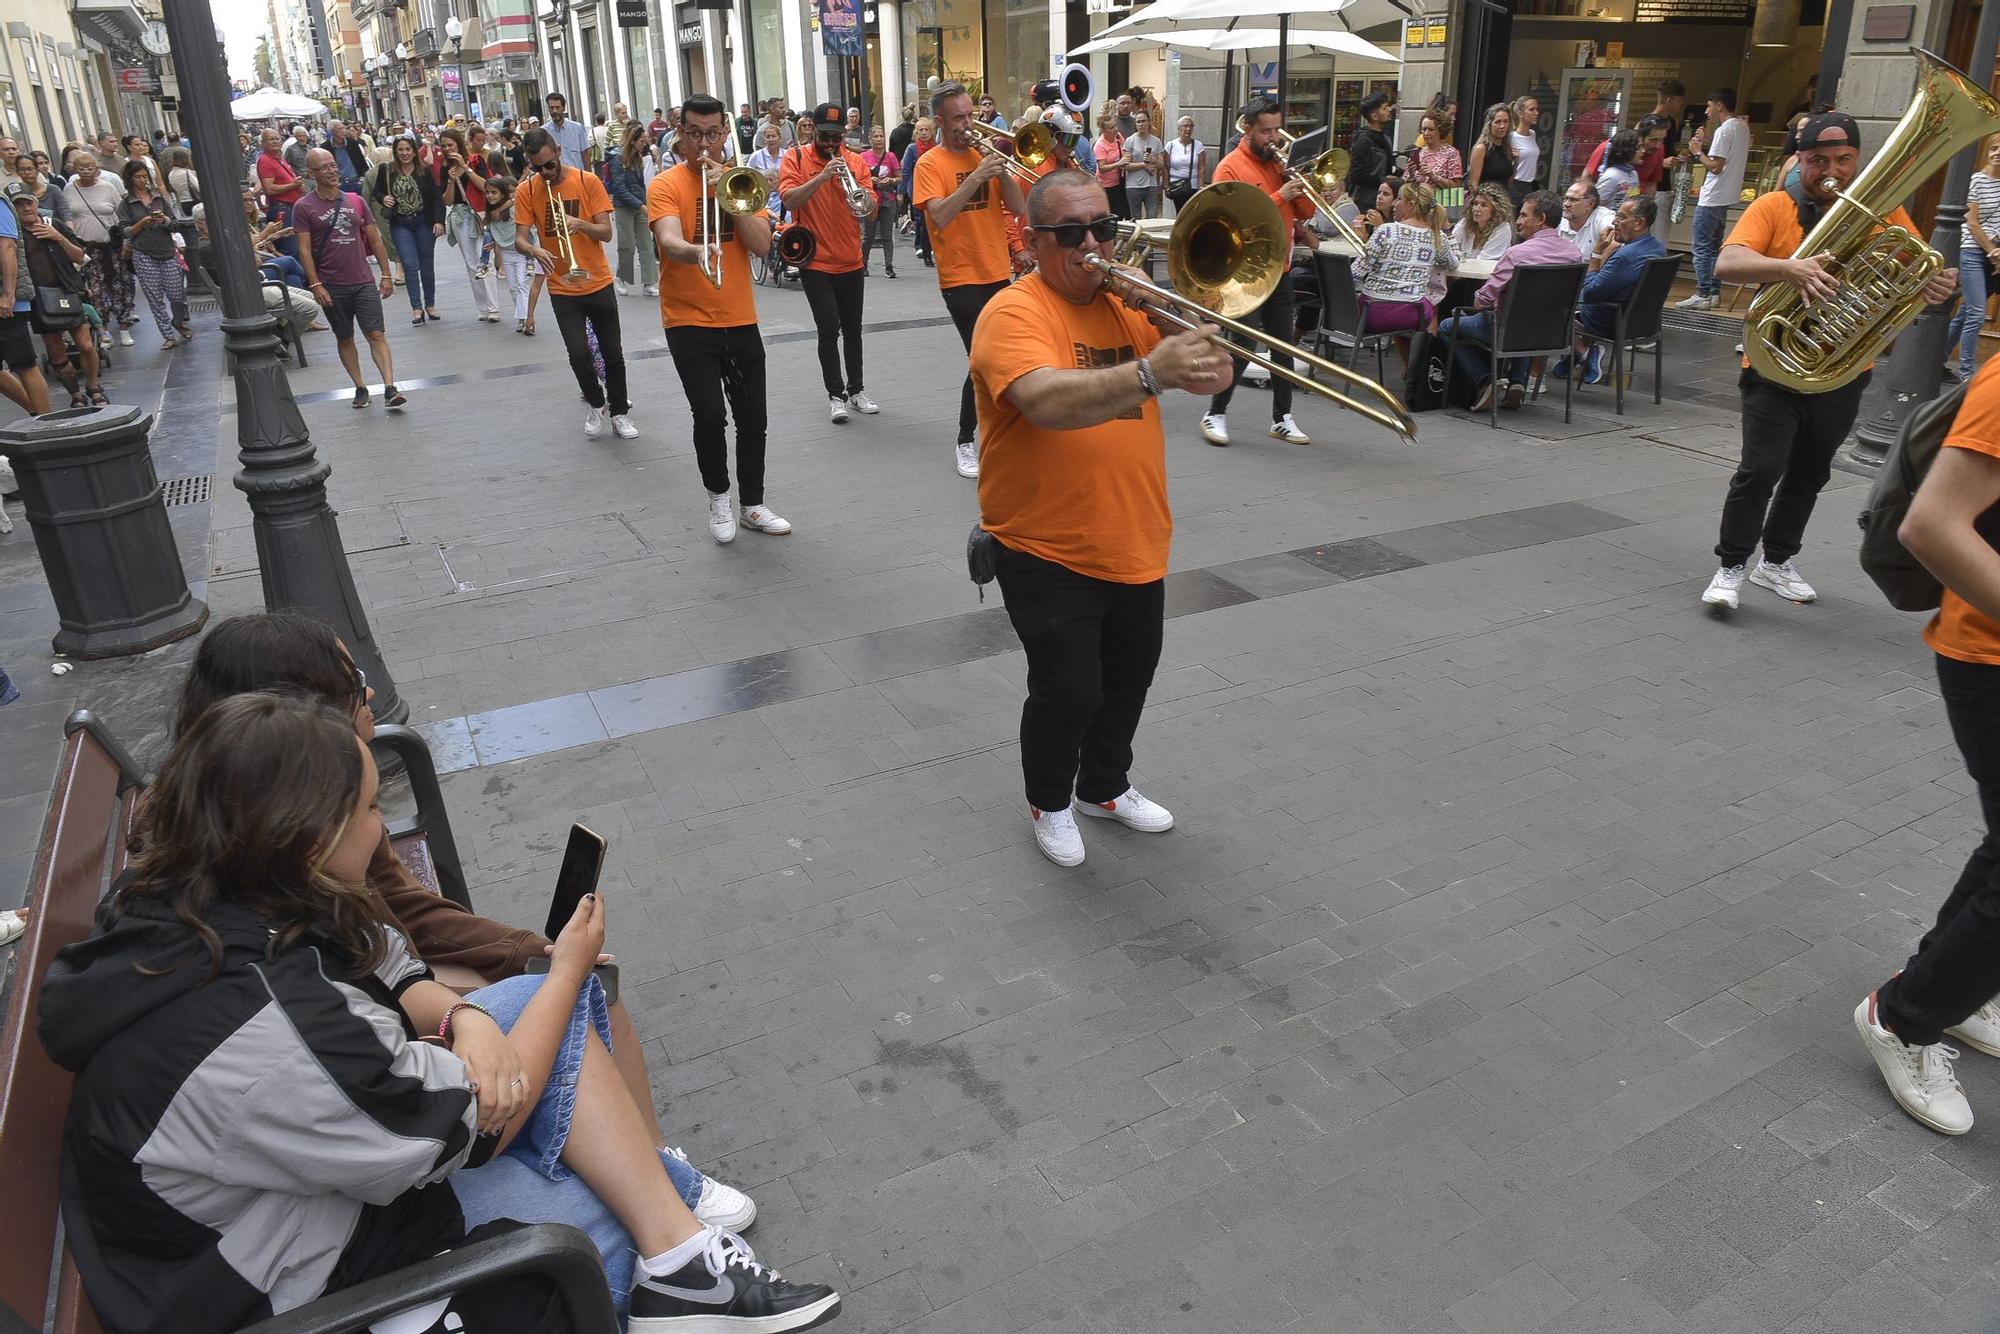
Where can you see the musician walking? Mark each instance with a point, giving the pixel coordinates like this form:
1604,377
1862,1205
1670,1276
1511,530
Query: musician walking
712,330
1073,486
1789,438
583,293
962,192
815,192
1258,160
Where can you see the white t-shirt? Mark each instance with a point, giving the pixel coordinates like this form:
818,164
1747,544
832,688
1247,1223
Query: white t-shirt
1585,238
1527,154
1496,243
1731,143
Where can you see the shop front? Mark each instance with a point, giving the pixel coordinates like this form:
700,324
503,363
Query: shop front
991,46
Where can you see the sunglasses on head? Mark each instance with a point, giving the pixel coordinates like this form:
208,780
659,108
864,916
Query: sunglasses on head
1069,235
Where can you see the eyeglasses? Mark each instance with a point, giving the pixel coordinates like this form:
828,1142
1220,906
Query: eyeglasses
1069,235
711,136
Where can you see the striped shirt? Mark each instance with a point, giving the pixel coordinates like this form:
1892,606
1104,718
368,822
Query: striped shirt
1984,192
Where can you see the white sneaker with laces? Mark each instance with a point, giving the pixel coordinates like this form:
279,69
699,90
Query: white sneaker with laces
1980,1030
1131,809
1697,302
623,290
1215,428
836,408
1784,580
968,458
1919,1078
1721,594
594,423
863,404
763,520
625,427
721,518
1287,430
1057,836
720,1206
124,338
652,289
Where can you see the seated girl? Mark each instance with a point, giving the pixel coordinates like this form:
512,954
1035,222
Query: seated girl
1406,257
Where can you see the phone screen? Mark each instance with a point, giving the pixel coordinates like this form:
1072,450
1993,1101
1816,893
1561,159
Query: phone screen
582,861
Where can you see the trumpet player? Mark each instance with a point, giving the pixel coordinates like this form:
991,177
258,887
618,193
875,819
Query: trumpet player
963,191
711,328
570,249
822,189
1789,438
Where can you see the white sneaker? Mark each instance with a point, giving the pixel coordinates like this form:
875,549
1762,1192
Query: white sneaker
594,422
1721,592
1255,374
763,520
1697,303
625,427
1057,836
1215,428
1287,430
1981,1029
1919,1078
623,290
652,289
836,408
720,1206
863,404
124,338
721,518
1131,809
968,459
1784,580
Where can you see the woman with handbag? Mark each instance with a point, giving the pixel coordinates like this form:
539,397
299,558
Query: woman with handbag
1187,164
55,258
153,247
885,171
93,200
1111,163
404,192
182,183
461,185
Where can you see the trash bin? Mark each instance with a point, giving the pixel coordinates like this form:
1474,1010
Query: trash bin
100,523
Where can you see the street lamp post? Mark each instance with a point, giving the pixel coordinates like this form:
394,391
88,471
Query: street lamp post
299,553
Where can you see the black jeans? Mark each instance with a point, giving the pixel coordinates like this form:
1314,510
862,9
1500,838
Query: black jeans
965,303
1788,445
835,299
1092,647
717,365
601,309
1278,318
1956,968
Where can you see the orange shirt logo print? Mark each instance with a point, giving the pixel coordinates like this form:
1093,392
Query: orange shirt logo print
978,203
1089,358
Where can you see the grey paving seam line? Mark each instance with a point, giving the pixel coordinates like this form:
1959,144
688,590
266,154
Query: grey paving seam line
540,727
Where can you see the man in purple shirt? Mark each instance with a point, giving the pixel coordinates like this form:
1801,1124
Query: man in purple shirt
336,235
1540,243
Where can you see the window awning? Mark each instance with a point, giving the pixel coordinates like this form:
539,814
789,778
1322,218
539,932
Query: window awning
116,23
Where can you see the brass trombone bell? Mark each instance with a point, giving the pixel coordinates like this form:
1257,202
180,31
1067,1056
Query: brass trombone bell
742,190
1032,144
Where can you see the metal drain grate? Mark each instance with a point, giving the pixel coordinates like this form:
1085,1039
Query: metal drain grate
187,490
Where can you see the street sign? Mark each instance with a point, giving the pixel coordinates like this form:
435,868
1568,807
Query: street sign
631,13
136,79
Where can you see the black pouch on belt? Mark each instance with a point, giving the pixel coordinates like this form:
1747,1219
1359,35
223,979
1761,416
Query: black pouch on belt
982,557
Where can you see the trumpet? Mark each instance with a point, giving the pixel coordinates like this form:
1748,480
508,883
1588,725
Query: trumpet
737,191
1033,143
564,249
859,201
1319,178
1228,252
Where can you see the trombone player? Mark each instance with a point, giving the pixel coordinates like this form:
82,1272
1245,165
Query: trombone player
570,249
821,188
1258,159
962,190
711,328
1073,506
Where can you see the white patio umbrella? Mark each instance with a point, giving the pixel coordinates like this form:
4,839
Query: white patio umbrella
1298,16
268,102
1363,56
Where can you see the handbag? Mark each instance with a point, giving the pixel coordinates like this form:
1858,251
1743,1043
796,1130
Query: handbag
57,308
1429,373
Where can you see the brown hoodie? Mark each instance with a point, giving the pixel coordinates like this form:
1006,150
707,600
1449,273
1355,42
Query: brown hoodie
443,932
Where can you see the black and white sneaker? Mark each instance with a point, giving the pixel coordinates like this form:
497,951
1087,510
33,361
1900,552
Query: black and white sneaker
725,1291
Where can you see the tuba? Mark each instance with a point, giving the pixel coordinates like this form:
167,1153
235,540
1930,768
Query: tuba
1881,268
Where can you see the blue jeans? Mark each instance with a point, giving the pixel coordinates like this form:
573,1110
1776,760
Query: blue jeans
1973,287
528,1183
1475,335
286,270
1708,220
415,246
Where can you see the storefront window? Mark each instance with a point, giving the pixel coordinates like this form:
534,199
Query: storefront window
642,71
941,42
767,50
1017,51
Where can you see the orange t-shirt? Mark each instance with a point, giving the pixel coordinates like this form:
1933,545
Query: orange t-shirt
1960,630
686,295
973,249
836,231
586,193
1243,165
1770,226
1091,500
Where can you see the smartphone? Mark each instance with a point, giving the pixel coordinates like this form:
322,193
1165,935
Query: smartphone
582,863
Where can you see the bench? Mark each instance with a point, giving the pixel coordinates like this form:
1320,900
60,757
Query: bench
82,850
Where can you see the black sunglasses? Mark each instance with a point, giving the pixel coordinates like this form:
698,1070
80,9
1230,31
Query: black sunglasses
555,162
1069,235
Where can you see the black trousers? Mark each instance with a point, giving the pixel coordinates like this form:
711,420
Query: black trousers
1278,318
722,372
835,299
965,303
1788,446
1092,646
601,309
1956,968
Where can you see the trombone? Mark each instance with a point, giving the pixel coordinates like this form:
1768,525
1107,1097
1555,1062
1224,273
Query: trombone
1319,177
737,191
1229,251
1033,143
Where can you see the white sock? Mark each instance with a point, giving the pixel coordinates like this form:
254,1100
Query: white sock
673,1261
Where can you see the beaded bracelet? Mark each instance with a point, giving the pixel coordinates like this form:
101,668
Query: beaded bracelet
444,1025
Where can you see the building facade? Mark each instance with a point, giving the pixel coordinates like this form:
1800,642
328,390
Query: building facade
71,68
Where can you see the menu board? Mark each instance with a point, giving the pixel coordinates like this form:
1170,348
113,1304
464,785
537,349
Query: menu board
1694,11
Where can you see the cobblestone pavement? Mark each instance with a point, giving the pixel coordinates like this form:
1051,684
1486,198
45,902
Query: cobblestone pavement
1496,976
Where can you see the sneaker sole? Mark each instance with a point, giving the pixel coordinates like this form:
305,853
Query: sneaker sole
1766,583
806,1317
1977,1044
1874,1054
1221,442
1046,851
1097,812
1717,608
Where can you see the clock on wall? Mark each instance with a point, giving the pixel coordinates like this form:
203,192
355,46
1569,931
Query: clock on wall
154,39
